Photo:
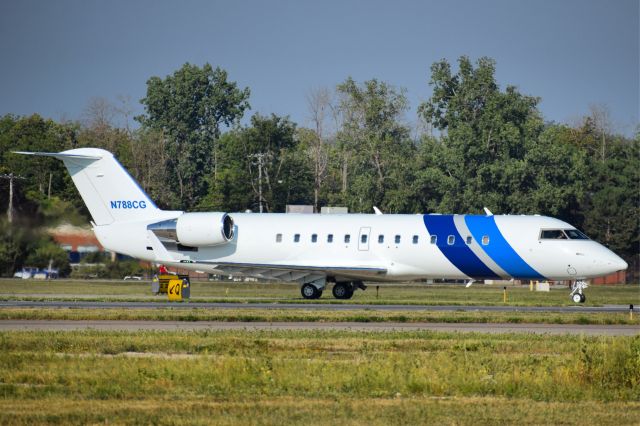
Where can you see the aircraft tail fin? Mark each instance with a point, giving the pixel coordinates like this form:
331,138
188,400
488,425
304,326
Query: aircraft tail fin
110,193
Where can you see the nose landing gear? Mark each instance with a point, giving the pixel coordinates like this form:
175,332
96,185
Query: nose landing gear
577,291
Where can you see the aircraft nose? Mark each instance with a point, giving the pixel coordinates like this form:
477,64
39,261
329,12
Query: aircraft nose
615,264
620,264
607,262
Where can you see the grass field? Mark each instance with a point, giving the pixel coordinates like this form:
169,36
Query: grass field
427,294
324,315
316,377
298,377
409,294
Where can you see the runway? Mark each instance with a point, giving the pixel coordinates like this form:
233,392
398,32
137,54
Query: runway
70,325
310,306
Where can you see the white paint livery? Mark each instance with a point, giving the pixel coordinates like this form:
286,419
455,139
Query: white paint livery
315,249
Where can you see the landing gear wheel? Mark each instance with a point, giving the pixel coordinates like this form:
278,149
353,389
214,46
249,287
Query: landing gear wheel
309,291
577,291
343,291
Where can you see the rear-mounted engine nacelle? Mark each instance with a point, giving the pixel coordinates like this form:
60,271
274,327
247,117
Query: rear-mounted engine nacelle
196,229
204,229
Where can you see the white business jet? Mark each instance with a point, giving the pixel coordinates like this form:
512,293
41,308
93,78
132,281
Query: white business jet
341,250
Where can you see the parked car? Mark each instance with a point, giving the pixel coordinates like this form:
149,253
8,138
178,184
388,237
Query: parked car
133,277
46,274
26,273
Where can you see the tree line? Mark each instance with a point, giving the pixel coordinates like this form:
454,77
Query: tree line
477,145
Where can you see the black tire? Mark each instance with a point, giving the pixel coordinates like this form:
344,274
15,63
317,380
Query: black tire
342,291
583,298
350,294
309,291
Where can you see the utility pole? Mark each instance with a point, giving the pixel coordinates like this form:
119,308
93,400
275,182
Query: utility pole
11,177
259,162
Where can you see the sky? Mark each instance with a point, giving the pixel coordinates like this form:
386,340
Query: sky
55,56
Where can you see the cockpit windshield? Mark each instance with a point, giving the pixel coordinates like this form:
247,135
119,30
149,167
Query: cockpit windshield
562,234
552,234
574,234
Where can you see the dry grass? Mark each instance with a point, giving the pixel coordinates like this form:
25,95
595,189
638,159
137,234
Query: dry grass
316,315
297,411
295,377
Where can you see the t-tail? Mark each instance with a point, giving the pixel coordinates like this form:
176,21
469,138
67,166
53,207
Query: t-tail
109,192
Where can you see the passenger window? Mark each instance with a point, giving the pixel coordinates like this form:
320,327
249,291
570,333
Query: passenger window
485,240
363,238
415,239
434,239
397,239
314,238
451,239
278,238
552,234
381,238
296,238
330,238
347,238
469,239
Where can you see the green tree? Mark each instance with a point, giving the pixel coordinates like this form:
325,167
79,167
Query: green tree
44,178
270,148
49,253
494,150
612,208
376,151
485,132
188,108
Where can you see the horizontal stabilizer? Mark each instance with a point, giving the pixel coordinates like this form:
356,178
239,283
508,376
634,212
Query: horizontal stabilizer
59,155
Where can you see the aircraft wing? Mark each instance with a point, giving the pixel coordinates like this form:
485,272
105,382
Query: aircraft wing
294,272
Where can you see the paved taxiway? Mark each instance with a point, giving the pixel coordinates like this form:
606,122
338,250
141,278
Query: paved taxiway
69,325
314,306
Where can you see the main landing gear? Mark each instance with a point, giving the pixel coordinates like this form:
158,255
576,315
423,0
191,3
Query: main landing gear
310,291
577,291
341,290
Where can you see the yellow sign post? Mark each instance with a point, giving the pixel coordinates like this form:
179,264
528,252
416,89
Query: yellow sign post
175,289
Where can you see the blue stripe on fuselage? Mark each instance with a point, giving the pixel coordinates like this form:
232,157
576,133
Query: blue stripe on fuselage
498,248
458,253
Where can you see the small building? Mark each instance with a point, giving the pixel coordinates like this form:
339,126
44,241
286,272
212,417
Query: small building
619,277
299,208
77,241
334,210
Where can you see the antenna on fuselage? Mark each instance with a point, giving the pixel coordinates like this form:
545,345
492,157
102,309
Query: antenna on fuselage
487,211
376,210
